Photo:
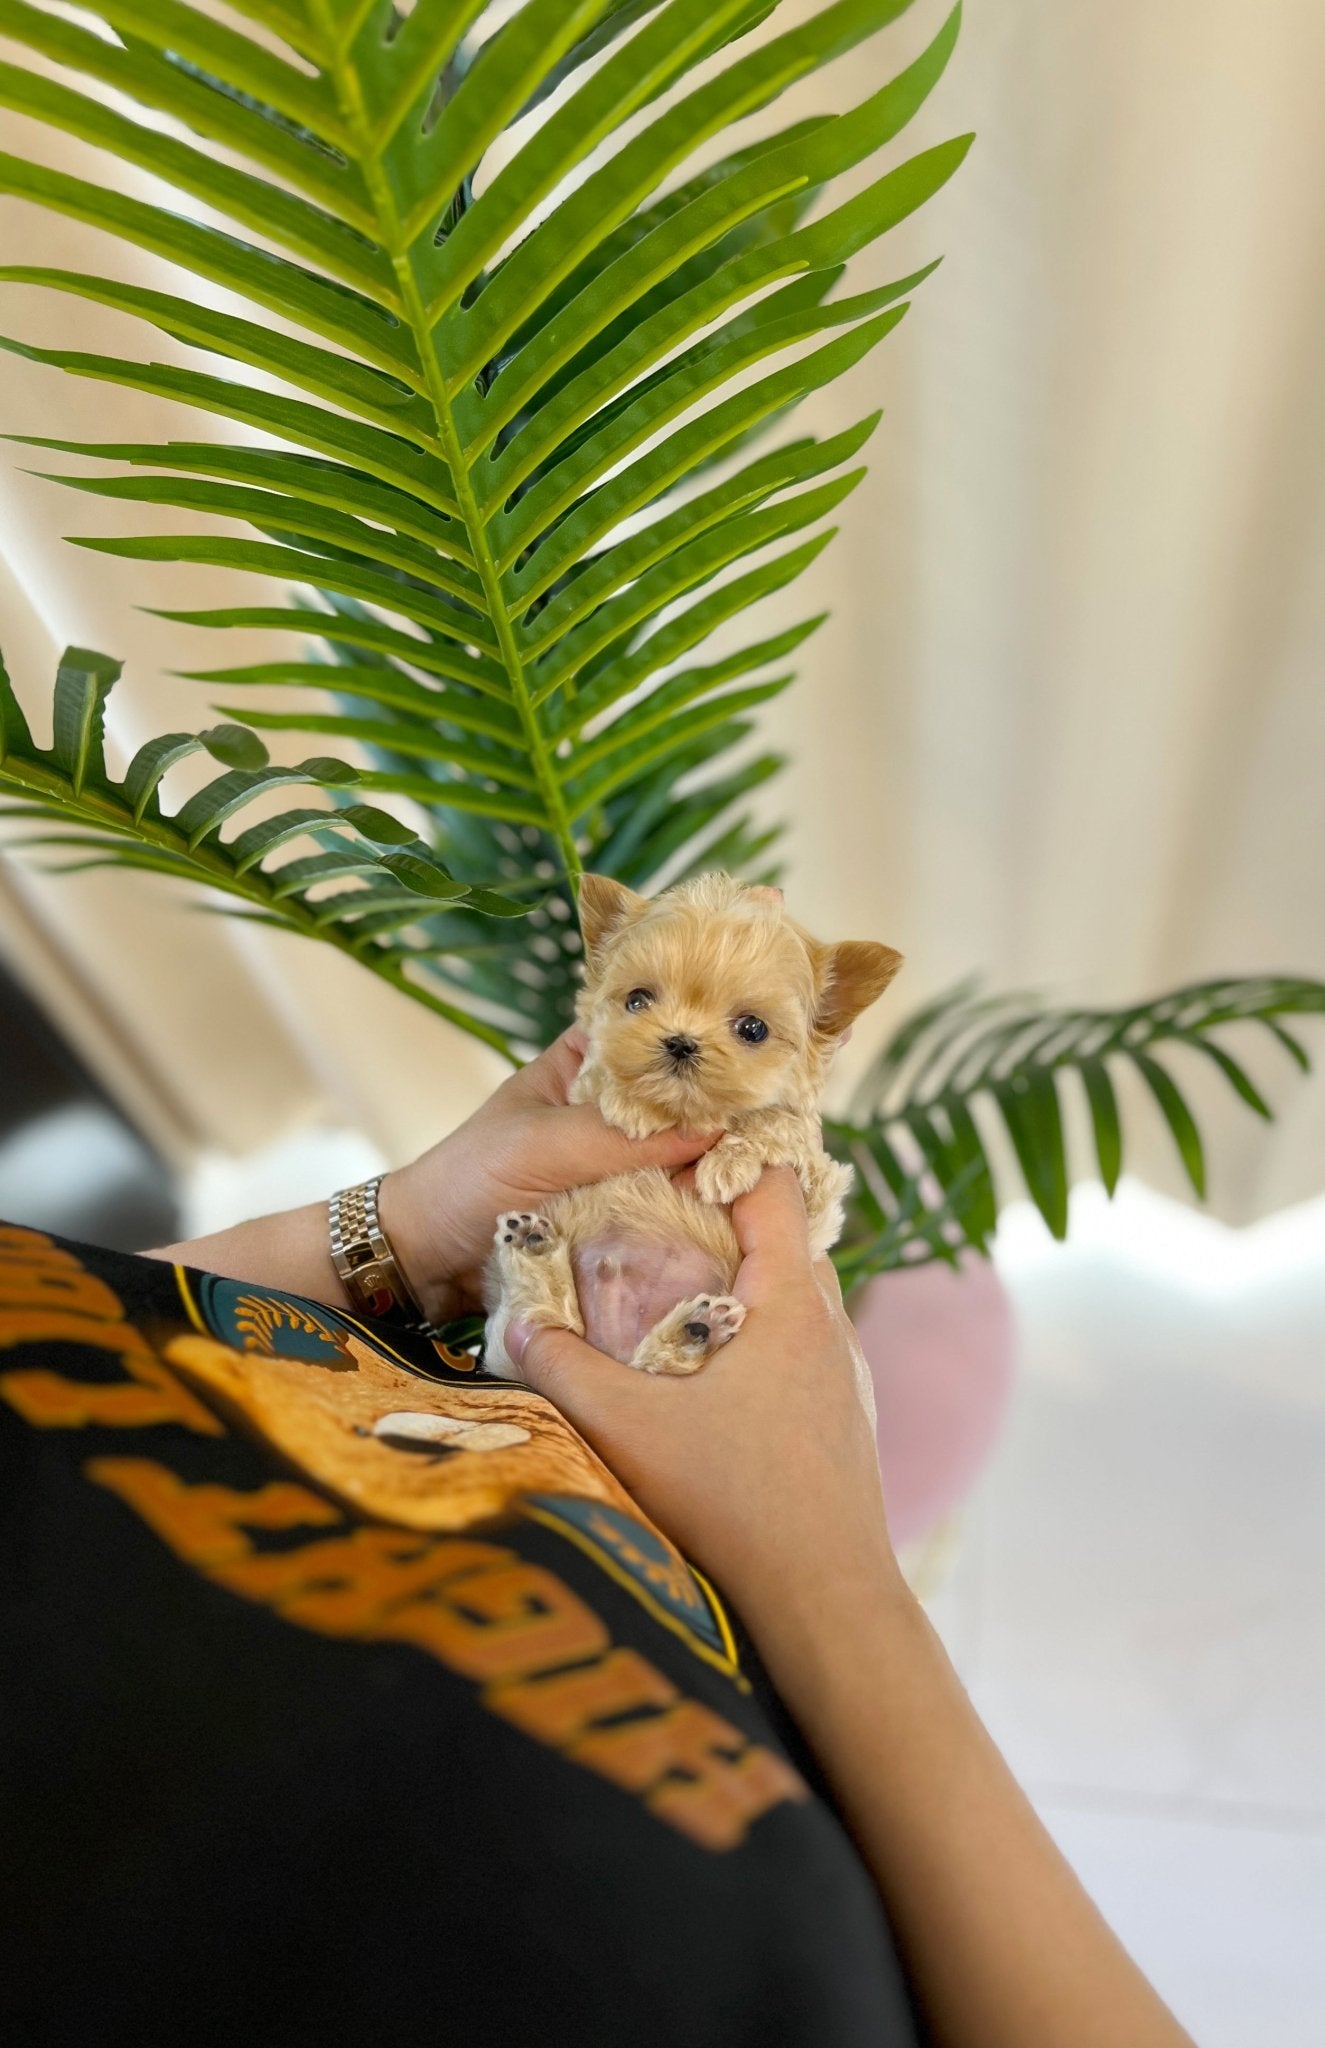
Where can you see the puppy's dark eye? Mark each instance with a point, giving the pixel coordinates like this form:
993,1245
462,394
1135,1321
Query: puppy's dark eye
639,999
752,1029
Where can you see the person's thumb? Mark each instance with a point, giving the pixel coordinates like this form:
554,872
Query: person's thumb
557,1363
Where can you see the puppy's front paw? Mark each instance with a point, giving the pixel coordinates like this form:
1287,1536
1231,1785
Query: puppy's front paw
523,1231
730,1169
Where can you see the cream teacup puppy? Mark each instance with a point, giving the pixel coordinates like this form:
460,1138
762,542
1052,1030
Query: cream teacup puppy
706,1008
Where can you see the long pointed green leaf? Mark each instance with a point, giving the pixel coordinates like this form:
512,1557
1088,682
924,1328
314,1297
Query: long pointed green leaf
164,85
385,686
1176,1115
255,203
508,68
82,685
303,518
640,482
433,656
1031,1113
607,571
220,799
653,738
15,737
682,33
288,289
1105,1120
776,324
415,739
608,195
1237,1076
392,593
689,567
373,395
312,478
233,745
366,447
688,630
713,213
180,30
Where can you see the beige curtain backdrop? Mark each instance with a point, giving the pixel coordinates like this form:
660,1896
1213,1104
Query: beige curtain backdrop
1067,724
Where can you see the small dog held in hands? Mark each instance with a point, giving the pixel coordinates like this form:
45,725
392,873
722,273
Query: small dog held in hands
709,1009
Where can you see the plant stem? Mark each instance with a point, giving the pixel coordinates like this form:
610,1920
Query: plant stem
397,246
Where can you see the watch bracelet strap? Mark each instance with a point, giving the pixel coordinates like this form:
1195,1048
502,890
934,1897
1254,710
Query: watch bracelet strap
362,1254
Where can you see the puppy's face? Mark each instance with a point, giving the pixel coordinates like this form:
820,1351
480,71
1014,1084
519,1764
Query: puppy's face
709,1002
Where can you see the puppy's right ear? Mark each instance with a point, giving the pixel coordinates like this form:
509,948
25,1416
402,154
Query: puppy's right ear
605,906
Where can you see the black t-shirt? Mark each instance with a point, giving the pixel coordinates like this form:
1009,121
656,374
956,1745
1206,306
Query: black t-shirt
346,1696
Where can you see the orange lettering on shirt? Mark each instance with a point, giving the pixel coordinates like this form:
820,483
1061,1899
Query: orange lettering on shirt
505,1624
47,1298
33,1271
717,1809
726,1781
206,1524
485,1614
560,1710
357,1584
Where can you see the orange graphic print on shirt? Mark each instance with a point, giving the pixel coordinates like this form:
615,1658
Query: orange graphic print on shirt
375,1557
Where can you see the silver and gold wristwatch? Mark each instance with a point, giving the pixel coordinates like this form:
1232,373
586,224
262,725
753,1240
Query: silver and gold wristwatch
362,1256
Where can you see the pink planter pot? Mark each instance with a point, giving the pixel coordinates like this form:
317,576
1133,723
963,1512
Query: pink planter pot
941,1346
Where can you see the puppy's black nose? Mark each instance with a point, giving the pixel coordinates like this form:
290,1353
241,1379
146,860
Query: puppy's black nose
680,1047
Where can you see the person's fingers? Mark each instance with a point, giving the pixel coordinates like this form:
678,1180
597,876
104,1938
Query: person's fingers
577,1146
575,1377
549,1077
771,1225
825,1272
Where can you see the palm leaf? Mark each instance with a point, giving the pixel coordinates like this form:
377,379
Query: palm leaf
912,1114
78,810
520,295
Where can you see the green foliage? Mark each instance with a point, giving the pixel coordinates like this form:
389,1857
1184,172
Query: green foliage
914,1107
397,880
520,301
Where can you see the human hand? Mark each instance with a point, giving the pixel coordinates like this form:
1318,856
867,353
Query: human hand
526,1142
762,1466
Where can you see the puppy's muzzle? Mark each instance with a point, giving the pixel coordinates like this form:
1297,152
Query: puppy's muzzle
681,1050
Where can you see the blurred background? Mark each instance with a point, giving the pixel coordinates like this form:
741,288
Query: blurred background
1066,728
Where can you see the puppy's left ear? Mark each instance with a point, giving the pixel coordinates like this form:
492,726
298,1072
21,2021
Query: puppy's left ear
859,971
605,906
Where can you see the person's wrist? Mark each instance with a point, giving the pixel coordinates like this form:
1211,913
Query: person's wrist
801,1612
415,1229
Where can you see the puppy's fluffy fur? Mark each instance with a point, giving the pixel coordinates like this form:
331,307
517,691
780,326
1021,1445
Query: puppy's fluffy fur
675,994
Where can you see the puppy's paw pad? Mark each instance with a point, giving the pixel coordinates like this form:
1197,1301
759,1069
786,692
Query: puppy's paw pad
524,1231
712,1320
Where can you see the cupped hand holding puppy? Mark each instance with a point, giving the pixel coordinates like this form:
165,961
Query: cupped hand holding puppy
526,1142
762,1466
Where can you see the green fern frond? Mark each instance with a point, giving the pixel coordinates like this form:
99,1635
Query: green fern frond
915,1103
369,866
523,337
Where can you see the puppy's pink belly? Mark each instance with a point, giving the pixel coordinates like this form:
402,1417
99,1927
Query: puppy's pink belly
626,1286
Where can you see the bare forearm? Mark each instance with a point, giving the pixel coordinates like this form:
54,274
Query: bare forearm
288,1250
1004,1948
